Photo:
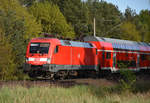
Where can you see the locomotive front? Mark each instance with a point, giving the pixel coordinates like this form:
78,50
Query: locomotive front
38,57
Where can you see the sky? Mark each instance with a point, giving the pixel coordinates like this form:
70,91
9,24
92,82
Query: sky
136,5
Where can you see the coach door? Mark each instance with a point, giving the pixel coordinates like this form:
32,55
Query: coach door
138,62
108,60
114,60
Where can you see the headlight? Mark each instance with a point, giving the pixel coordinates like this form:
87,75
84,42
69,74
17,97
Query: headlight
43,59
31,59
48,60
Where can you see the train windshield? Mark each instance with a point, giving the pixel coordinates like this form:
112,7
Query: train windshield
42,48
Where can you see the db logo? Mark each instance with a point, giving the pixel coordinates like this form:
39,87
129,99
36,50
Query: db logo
37,59
78,55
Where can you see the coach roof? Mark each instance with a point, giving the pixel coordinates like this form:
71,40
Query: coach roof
121,44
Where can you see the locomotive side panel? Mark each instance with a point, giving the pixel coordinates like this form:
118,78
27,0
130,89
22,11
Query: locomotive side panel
74,58
84,56
61,55
91,56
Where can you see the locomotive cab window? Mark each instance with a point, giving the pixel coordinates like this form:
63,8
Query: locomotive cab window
108,55
56,49
42,48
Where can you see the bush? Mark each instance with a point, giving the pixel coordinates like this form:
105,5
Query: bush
128,79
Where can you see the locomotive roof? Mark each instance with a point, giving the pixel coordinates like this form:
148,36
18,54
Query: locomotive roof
42,38
121,44
76,44
66,42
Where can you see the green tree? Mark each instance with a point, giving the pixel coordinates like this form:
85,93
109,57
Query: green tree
141,24
129,31
32,28
132,28
51,19
27,3
13,32
7,65
107,17
17,26
76,13
129,14
144,20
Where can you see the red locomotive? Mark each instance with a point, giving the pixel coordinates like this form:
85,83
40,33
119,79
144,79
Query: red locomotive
51,57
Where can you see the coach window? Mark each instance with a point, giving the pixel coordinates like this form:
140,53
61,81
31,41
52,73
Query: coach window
143,56
126,54
56,49
108,55
103,55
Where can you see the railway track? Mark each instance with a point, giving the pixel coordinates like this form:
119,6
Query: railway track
106,81
58,83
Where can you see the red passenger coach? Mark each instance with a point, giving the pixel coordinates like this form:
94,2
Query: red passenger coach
112,53
50,57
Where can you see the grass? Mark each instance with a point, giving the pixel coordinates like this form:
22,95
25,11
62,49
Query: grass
76,94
